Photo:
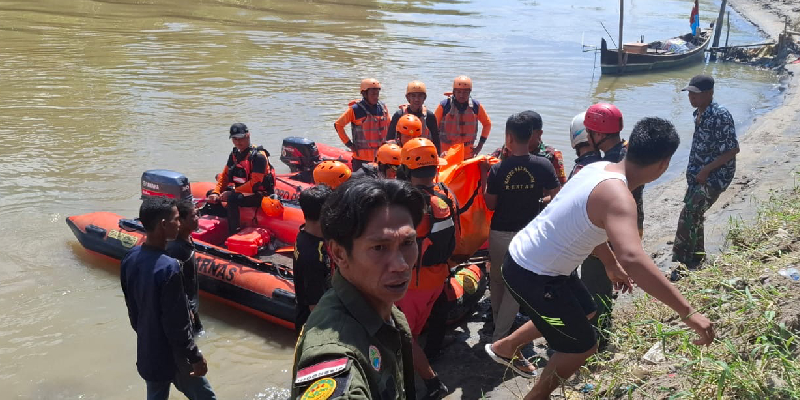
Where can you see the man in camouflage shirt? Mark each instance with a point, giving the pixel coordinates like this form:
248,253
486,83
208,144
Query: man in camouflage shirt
712,164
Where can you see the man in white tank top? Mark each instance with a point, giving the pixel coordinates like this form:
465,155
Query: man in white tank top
595,207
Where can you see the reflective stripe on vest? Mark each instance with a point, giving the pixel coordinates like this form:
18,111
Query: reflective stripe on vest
240,172
425,133
457,126
373,129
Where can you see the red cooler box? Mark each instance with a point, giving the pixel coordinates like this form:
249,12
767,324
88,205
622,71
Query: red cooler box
249,241
212,230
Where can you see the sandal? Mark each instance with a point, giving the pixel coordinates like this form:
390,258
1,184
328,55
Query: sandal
518,364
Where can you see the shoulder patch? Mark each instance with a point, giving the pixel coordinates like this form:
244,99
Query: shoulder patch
320,390
322,369
439,207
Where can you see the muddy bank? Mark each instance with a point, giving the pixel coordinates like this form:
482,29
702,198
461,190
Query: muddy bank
766,164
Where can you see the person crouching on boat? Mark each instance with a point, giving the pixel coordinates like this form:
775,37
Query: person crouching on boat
310,262
246,178
416,93
182,249
356,344
458,116
369,121
332,173
385,166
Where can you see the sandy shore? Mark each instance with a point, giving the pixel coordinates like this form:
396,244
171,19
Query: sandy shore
767,163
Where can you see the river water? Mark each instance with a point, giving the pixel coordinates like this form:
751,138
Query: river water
94,92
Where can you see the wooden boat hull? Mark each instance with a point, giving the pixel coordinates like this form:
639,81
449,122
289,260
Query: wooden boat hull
639,63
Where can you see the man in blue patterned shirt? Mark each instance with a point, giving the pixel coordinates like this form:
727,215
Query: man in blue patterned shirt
712,164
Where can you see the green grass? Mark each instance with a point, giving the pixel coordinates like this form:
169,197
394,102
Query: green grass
755,310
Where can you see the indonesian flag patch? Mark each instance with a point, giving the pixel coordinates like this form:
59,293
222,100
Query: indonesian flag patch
319,370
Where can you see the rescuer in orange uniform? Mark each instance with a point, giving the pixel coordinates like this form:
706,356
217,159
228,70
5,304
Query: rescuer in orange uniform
369,120
332,173
437,235
458,117
385,166
416,93
246,178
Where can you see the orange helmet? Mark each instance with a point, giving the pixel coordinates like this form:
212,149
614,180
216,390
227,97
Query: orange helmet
332,173
416,87
409,125
272,206
420,152
389,154
370,83
462,82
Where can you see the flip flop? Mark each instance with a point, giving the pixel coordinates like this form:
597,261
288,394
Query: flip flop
514,363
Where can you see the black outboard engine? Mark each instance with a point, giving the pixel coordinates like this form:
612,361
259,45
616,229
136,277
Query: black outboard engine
300,154
166,183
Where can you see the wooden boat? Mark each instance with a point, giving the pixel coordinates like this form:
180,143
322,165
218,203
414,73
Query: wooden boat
651,57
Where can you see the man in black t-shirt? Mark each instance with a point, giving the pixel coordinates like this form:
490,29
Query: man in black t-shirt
311,265
514,189
182,249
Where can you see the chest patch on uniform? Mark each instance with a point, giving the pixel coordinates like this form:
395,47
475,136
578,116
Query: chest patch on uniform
320,390
375,358
325,368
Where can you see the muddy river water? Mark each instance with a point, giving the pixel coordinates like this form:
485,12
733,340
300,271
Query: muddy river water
93,92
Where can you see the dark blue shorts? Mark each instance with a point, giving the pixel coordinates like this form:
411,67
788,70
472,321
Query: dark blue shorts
557,305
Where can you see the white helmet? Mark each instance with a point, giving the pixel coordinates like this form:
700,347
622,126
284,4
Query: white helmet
577,131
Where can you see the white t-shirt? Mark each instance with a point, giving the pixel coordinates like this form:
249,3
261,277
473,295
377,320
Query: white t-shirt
562,236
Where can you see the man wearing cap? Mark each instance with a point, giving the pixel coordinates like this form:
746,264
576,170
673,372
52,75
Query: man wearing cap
246,178
416,93
712,164
369,120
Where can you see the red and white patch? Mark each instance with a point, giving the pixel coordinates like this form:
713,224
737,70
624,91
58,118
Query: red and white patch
325,368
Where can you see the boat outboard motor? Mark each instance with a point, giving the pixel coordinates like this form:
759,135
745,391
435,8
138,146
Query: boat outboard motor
166,183
300,154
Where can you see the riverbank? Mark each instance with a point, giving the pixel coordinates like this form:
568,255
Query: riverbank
766,167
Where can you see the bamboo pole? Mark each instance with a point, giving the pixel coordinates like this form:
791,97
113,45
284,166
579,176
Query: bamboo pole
718,28
620,47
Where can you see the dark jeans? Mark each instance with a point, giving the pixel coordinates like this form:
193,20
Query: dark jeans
236,200
193,387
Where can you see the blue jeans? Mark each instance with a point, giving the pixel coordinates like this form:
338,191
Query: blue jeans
193,387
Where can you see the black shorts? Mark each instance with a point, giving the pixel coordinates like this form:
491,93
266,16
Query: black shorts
557,305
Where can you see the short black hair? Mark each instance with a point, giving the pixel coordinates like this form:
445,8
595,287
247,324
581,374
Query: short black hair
424,172
153,210
312,199
345,212
652,140
521,125
185,208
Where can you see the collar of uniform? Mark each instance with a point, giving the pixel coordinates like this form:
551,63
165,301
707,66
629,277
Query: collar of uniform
356,304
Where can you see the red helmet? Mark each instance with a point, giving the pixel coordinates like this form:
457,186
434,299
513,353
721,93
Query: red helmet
603,118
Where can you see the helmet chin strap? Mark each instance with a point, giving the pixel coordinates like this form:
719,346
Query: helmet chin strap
597,144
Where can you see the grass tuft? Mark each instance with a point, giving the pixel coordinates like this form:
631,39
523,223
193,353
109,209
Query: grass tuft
756,313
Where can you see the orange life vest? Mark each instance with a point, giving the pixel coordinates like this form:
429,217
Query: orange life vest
458,126
370,134
425,133
239,173
437,233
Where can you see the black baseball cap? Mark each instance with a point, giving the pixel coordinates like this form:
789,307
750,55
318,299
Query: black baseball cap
238,130
700,83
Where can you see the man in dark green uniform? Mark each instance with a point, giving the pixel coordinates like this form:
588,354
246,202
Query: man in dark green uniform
356,344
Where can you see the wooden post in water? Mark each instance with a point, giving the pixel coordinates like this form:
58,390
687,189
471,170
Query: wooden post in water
728,34
620,47
718,28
